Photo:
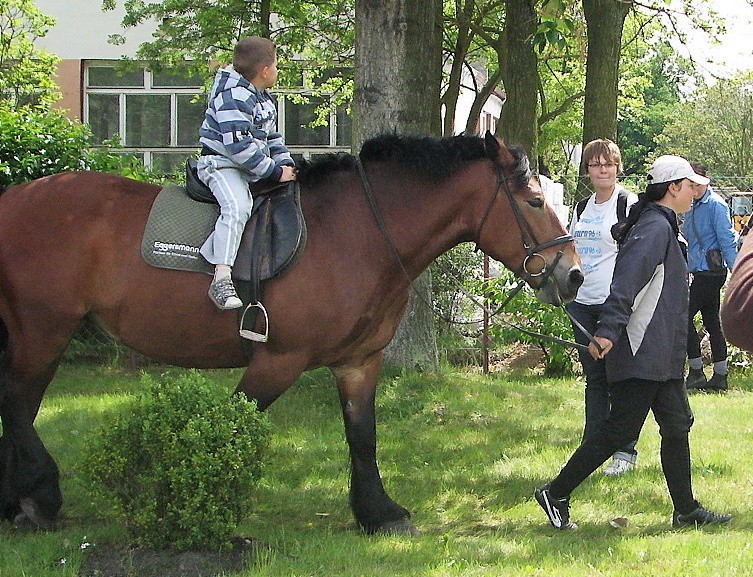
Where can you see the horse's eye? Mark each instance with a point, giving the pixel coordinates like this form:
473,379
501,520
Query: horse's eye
537,202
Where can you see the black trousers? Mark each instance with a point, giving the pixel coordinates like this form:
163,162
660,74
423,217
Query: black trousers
705,291
597,388
631,401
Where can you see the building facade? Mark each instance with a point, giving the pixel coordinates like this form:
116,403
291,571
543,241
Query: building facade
155,116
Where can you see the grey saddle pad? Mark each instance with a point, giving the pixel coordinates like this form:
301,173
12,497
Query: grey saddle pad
178,226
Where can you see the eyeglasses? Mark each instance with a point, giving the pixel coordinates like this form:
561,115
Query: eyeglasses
599,165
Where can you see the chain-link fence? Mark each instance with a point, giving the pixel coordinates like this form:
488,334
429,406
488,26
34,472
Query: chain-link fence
92,344
727,186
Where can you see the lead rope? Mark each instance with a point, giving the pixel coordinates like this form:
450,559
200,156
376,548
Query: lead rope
515,290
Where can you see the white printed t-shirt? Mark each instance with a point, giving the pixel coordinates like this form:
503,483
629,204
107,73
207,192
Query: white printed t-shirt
597,249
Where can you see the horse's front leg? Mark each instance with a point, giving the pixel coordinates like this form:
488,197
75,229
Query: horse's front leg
374,510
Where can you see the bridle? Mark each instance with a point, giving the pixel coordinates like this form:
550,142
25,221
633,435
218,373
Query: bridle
532,247
530,244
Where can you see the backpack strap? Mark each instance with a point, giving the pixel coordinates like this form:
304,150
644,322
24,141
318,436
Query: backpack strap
580,207
622,198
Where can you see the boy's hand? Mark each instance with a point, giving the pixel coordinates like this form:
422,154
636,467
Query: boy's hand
288,173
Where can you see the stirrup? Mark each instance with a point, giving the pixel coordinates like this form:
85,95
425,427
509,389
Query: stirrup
253,335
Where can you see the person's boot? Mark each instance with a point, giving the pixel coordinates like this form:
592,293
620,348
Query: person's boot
696,379
717,382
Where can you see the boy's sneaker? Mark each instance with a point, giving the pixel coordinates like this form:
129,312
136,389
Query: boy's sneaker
621,463
558,510
222,293
699,516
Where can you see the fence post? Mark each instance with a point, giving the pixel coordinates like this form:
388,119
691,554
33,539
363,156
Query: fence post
485,329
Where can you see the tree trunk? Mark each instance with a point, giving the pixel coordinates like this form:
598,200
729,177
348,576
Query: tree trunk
397,85
604,23
519,119
463,16
264,18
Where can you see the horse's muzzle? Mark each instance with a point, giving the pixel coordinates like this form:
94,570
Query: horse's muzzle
562,285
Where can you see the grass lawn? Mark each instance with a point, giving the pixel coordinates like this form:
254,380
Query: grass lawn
461,451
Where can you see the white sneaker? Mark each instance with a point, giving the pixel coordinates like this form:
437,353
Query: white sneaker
621,463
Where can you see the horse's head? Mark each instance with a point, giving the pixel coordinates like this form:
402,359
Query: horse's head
544,254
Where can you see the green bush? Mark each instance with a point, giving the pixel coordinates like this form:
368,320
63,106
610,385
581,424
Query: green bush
37,142
181,463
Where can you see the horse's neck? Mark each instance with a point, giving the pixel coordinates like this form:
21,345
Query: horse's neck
423,220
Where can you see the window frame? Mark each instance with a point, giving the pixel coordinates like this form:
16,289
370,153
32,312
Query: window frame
148,87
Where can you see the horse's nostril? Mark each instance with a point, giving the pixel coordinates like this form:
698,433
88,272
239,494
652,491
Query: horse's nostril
576,277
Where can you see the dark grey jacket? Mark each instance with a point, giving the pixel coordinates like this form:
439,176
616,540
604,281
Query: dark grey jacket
646,313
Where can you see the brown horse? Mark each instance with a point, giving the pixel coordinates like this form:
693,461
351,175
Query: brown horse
70,247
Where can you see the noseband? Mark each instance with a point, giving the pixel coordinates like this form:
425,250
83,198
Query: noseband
530,244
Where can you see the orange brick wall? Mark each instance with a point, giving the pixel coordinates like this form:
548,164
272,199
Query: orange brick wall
70,81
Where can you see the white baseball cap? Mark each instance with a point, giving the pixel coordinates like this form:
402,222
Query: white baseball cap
669,168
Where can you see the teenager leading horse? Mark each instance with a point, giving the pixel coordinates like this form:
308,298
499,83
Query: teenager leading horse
70,247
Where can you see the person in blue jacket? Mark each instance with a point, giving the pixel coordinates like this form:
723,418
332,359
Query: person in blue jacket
708,226
642,335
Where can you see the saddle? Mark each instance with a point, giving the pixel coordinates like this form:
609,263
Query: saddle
182,218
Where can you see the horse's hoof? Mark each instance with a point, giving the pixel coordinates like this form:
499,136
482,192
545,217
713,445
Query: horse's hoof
400,527
31,519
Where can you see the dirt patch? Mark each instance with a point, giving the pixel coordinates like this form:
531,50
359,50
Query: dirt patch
518,356
148,563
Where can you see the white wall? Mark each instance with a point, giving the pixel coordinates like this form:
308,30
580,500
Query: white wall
466,97
82,29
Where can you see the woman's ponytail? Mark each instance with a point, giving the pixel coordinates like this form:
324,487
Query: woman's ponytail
653,193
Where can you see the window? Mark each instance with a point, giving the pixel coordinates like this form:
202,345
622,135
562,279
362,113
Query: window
156,115
295,118
487,122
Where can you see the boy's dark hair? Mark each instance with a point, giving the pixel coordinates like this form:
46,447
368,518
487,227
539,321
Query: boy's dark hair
252,54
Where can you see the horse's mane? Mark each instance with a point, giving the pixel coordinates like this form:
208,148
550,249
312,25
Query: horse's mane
312,172
434,158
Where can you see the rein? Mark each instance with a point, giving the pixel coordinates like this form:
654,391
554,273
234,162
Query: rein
531,245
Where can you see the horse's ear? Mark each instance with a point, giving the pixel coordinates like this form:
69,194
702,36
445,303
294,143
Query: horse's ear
492,145
497,150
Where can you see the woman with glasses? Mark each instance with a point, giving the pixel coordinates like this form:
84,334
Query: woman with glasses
591,227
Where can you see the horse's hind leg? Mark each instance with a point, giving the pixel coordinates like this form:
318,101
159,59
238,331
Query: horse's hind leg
29,478
374,510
